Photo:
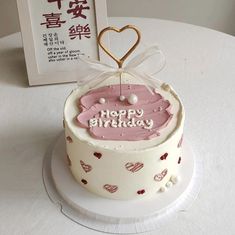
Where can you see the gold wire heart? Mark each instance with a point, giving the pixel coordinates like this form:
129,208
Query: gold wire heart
119,61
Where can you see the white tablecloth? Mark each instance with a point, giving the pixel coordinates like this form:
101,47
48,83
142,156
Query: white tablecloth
200,66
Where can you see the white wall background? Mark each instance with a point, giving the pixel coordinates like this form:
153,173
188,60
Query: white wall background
215,14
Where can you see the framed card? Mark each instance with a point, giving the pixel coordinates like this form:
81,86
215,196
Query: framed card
56,32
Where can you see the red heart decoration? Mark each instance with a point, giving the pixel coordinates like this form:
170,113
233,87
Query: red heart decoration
84,181
69,139
160,176
110,188
179,160
142,191
180,142
98,155
164,156
85,167
134,167
68,160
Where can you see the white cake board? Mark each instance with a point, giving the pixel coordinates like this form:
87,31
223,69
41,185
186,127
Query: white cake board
116,216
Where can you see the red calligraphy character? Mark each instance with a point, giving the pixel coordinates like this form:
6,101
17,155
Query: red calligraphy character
77,11
79,31
58,2
53,20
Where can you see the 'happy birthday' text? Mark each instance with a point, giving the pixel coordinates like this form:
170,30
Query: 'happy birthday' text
121,119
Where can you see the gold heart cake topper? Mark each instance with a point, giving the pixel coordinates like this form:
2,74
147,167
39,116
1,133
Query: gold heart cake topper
127,27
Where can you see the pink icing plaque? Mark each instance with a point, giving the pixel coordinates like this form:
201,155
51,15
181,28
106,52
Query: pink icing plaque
119,120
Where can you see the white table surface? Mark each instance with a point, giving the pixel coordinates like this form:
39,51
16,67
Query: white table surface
200,66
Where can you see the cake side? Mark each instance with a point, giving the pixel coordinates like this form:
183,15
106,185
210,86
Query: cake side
124,169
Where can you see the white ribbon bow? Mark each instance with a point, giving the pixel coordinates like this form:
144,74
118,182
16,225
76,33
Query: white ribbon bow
142,67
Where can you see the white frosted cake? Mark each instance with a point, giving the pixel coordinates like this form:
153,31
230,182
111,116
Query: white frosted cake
126,147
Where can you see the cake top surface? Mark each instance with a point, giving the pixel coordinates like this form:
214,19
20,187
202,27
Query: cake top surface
142,120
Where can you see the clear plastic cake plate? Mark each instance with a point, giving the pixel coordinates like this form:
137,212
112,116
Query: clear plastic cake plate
117,216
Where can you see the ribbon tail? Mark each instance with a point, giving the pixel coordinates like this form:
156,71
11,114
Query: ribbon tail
146,84
152,80
145,62
147,80
90,70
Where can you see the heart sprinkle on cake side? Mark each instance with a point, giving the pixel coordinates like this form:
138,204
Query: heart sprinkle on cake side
69,139
84,181
142,191
179,160
159,177
85,167
68,160
110,188
180,142
164,156
134,167
98,155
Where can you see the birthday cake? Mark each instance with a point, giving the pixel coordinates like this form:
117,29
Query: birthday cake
124,141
